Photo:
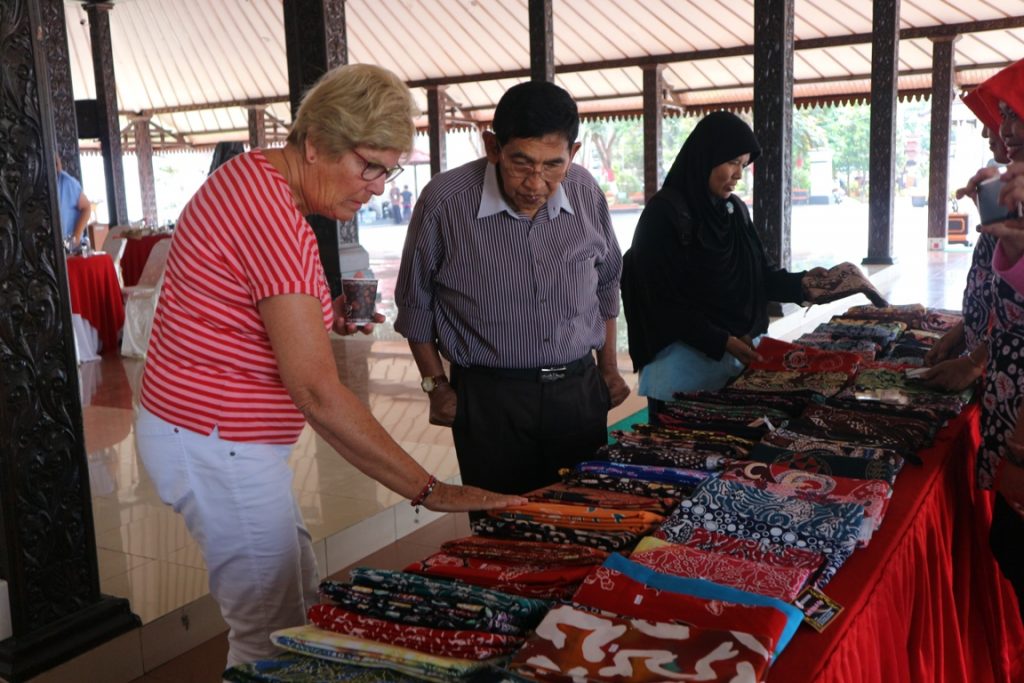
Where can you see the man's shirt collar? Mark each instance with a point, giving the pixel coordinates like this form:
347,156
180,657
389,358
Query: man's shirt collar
492,201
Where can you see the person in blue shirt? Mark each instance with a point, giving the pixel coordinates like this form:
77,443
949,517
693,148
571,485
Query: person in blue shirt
75,208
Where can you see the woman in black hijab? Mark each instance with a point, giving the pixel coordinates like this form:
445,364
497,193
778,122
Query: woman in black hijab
696,280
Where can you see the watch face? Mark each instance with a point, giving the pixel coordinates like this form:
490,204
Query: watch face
427,384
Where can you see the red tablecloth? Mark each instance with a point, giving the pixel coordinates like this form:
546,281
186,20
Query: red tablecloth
924,601
96,296
135,254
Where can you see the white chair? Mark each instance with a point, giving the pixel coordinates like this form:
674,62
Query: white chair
114,245
140,302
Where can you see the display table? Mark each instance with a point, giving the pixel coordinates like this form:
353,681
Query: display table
96,296
925,600
136,252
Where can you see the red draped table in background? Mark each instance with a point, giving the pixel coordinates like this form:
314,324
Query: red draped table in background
136,252
924,602
96,296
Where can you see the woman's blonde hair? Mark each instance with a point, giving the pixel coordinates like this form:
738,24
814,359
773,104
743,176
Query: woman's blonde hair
355,104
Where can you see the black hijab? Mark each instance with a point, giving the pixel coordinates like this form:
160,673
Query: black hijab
719,137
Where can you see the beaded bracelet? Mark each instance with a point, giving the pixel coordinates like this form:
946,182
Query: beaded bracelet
427,489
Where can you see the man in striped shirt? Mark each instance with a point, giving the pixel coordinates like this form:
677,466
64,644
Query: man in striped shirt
511,272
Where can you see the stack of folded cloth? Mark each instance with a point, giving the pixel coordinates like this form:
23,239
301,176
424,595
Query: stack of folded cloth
890,386
675,447
550,571
429,628
881,332
789,367
651,481
911,347
628,622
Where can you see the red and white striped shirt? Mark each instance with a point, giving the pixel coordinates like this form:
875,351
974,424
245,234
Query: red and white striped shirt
240,239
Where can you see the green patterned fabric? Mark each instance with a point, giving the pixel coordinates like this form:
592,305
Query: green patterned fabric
302,669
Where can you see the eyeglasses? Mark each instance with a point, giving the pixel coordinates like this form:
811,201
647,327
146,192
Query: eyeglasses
372,170
520,169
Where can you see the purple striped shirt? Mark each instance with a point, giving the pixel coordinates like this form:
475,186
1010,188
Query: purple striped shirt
496,289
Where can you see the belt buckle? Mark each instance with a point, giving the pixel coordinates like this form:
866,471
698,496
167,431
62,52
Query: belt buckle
553,374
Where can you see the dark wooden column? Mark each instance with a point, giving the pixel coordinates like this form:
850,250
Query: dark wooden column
49,545
257,127
773,125
938,155
654,111
436,129
542,41
106,106
55,42
885,43
315,42
144,154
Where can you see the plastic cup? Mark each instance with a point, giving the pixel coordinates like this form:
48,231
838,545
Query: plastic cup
360,299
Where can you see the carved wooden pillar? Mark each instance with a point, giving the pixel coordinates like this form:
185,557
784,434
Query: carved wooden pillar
49,545
257,127
436,129
315,42
654,112
106,107
55,41
144,154
773,125
542,41
885,43
938,159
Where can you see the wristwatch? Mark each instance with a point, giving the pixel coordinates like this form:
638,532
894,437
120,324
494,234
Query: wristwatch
428,384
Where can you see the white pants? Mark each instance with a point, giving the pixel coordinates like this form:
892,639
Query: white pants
237,502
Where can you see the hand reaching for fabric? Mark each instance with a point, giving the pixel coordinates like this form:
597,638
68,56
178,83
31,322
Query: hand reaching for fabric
955,374
948,346
743,349
450,498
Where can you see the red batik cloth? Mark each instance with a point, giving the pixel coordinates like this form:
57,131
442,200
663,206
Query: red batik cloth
435,641
753,551
612,591
545,581
780,356
574,644
784,583
524,552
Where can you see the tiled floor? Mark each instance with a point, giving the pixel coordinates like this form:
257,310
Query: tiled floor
146,555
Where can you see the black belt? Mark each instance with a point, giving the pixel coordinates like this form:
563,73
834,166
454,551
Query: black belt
549,374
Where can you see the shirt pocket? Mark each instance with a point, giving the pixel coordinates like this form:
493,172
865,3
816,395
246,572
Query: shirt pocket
578,289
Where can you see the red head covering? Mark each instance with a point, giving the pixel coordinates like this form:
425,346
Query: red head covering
1006,86
976,104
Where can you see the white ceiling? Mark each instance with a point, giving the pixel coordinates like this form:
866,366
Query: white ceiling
186,55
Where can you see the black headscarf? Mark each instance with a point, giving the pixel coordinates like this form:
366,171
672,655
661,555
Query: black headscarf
719,137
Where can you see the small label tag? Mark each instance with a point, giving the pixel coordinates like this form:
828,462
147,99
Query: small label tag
819,609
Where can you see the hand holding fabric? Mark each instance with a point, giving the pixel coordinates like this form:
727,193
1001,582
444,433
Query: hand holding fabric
442,404
345,328
952,375
743,349
948,346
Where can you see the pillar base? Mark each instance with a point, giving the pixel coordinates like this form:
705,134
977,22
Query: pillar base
878,261
22,658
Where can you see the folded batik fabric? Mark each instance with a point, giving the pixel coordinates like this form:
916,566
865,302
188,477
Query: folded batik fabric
581,517
789,404
528,530
941,321
685,456
841,281
632,590
667,475
638,487
883,469
881,332
746,421
575,644
865,427
781,356
910,314
528,610
545,581
303,669
865,348
891,388
524,552
578,495
824,383
435,641
337,647
747,512
784,583
873,494
755,551
419,610
790,440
